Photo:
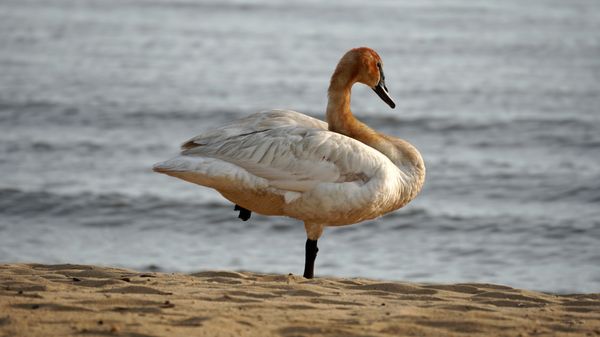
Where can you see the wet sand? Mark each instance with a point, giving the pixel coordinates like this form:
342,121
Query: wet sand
83,300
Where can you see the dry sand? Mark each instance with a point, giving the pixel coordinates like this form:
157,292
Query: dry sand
80,300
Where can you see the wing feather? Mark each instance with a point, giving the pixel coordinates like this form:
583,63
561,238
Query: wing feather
292,153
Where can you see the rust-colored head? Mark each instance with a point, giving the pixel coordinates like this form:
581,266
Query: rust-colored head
365,66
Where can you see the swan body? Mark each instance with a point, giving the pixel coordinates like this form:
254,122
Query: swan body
282,162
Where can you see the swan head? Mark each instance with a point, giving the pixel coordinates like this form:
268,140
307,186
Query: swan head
364,65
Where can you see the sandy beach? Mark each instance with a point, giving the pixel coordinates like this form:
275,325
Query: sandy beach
84,300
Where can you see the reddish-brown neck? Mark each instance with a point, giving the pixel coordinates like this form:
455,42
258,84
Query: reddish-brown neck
339,115
341,120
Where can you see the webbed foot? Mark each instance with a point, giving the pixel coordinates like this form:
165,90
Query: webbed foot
244,213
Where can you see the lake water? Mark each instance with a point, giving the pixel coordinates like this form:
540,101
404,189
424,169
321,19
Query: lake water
502,98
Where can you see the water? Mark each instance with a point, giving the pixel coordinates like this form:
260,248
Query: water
502,98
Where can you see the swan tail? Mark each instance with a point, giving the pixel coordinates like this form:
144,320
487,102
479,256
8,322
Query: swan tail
177,164
209,172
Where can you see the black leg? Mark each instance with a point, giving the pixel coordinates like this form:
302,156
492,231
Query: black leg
311,255
244,213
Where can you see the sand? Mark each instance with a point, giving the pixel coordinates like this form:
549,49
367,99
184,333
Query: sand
82,300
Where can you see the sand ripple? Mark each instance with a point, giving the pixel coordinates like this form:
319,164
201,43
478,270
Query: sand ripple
43,300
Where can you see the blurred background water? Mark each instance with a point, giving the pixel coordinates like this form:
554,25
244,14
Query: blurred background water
501,97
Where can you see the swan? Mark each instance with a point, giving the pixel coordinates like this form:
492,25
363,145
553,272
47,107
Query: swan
282,162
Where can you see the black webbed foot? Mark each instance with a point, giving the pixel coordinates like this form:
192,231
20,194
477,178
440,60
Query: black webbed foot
244,213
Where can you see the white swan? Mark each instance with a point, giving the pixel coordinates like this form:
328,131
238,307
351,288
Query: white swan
282,162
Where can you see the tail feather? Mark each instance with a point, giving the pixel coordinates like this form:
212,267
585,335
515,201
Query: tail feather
210,172
172,165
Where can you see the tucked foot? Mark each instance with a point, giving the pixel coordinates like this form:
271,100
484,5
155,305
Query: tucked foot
244,213
311,255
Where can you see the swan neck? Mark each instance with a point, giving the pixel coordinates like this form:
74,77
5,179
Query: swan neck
341,120
339,115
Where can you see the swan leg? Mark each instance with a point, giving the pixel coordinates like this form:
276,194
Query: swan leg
313,232
244,213
311,255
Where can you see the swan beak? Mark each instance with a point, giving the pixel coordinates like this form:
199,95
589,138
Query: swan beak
383,93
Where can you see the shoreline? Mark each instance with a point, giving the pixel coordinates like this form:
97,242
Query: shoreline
75,300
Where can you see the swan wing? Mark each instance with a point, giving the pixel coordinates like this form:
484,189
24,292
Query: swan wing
292,158
255,123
